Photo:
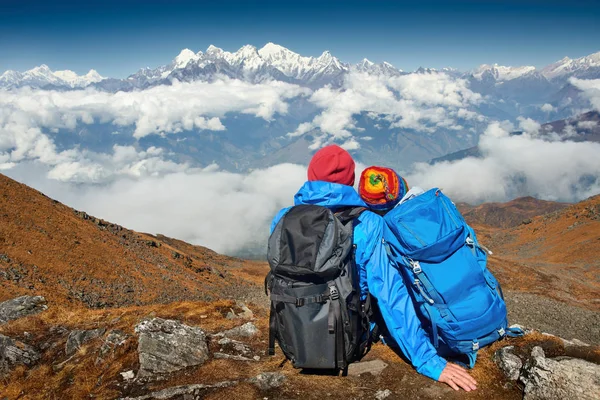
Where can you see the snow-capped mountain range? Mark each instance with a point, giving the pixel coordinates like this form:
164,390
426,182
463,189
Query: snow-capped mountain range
274,62
42,77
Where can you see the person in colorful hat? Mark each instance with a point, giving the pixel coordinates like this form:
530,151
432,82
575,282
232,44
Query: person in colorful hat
330,184
381,188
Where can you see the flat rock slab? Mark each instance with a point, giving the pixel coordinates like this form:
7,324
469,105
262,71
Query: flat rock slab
246,330
374,367
13,353
78,338
268,380
21,307
195,391
560,378
167,346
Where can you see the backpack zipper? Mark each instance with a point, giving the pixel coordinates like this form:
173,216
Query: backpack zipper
412,233
471,242
449,213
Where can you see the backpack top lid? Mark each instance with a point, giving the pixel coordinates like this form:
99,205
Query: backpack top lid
427,227
309,241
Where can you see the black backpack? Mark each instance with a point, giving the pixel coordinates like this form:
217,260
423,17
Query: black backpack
317,316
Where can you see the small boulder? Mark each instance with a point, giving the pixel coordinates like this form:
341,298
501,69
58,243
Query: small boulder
78,338
21,307
268,380
233,346
560,378
374,367
166,346
13,353
246,330
114,339
246,313
508,362
128,375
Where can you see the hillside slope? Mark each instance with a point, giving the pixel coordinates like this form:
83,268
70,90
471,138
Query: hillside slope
556,254
509,214
49,249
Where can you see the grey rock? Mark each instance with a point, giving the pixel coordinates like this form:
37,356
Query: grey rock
114,339
233,346
246,330
13,353
77,338
560,378
245,314
268,380
195,391
166,346
508,362
21,307
383,394
232,357
374,367
128,375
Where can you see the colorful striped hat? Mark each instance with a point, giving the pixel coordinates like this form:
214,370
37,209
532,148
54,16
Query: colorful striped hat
381,188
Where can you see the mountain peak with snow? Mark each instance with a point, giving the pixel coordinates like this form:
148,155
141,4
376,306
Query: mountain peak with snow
501,72
583,67
184,57
42,76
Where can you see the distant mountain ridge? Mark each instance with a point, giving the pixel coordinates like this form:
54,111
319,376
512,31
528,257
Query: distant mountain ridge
275,62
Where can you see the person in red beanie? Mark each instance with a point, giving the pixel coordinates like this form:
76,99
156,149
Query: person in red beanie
332,164
330,184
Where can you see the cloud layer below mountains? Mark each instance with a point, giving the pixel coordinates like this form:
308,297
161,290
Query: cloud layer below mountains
144,189
231,212
516,166
29,118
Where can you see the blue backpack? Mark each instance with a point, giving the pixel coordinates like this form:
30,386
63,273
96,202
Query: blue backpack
459,301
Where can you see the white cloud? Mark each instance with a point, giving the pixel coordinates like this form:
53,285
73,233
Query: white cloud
528,125
515,166
590,88
423,102
547,108
587,125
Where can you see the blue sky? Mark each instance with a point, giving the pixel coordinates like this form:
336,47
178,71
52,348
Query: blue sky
118,37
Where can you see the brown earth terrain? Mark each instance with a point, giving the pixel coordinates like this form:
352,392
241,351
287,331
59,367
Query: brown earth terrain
509,214
95,274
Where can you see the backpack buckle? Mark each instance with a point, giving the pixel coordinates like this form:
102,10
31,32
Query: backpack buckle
416,267
333,293
501,332
475,346
299,301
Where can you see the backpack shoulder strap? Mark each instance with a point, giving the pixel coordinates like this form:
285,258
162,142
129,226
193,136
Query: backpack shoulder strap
348,214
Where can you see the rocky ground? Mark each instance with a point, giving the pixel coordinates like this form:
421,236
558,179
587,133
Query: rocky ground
217,351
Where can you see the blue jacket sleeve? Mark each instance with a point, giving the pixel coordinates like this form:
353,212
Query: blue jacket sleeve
387,285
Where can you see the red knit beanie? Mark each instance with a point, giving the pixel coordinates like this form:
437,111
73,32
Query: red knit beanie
332,164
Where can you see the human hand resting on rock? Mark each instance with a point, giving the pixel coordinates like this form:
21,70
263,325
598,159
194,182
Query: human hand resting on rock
457,377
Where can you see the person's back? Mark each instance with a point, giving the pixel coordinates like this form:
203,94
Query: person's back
330,184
